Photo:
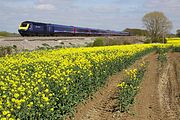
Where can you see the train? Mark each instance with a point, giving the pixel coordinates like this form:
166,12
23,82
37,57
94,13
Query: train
30,28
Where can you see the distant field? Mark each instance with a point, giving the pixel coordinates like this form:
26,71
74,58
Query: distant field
173,40
8,34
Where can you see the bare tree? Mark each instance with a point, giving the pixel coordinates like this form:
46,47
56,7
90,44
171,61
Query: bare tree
157,25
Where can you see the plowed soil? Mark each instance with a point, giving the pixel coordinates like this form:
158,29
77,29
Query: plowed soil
158,97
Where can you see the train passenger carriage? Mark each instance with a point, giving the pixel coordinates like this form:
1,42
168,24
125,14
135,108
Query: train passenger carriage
30,28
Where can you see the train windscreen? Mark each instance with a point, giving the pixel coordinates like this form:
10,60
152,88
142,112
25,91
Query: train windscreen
23,24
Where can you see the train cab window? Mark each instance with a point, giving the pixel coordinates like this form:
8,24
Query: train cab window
23,24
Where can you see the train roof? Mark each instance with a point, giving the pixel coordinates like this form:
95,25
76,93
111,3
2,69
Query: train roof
35,22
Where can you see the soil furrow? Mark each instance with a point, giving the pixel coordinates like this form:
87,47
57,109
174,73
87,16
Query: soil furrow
158,97
104,106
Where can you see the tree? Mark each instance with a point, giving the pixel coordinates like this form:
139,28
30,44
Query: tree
178,33
157,25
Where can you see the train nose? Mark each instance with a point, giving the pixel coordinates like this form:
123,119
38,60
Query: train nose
22,32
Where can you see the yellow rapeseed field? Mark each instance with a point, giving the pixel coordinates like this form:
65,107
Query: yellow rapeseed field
174,41
47,84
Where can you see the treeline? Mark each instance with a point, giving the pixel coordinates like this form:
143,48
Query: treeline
136,32
8,34
178,33
142,32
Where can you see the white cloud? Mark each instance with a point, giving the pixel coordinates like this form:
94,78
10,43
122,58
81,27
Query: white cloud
171,9
169,6
45,7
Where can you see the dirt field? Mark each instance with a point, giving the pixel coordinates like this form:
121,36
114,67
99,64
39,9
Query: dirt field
157,99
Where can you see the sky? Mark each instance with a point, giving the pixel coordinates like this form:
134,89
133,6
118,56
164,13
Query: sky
101,14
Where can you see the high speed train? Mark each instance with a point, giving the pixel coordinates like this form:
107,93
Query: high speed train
30,28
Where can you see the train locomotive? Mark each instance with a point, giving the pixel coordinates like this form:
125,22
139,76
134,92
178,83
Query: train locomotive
30,28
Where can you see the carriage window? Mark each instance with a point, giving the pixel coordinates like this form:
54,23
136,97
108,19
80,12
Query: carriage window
63,28
94,31
83,30
38,26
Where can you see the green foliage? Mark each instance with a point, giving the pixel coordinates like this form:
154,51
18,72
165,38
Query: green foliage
109,41
7,50
99,42
161,40
170,35
176,48
7,34
158,40
4,34
136,32
128,89
46,46
178,33
162,57
162,54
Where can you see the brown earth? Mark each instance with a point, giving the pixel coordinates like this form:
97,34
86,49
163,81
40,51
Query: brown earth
158,97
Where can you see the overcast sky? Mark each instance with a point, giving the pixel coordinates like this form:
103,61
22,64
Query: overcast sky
104,14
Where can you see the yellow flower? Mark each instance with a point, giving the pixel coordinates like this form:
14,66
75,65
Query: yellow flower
5,112
135,70
18,102
18,107
30,104
29,92
4,96
52,109
45,99
41,105
11,109
16,95
122,84
8,115
46,90
3,119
